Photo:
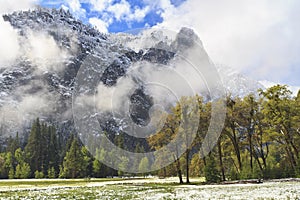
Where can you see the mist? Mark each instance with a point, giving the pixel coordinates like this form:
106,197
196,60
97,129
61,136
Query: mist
21,103
43,52
9,38
190,72
26,104
9,48
257,38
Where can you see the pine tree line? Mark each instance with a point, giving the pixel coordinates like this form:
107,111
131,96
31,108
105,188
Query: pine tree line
45,155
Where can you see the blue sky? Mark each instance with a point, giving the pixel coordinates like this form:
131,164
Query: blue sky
150,14
257,38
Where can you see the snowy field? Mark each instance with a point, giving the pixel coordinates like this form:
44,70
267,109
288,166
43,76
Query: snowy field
143,189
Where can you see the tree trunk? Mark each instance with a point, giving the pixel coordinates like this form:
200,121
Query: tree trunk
259,164
290,156
179,173
187,165
235,144
251,151
202,156
236,148
221,160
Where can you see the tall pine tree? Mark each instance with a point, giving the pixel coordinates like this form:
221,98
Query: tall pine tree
74,163
33,148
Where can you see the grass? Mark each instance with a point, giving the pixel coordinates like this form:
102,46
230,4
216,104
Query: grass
125,189
51,182
107,192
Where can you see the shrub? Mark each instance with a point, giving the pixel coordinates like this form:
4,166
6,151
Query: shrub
211,172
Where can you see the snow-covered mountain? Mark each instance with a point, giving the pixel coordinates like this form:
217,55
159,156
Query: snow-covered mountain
55,47
238,84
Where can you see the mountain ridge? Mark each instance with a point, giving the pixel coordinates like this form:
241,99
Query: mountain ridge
28,92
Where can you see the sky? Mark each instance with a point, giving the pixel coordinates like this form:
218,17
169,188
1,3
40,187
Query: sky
257,38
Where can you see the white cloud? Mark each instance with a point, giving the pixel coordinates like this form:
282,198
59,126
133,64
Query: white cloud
138,14
9,39
99,24
43,52
74,5
120,10
123,11
109,98
40,48
253,36
75,8
15,114
100,5
114,98
161,6
8,6
9,48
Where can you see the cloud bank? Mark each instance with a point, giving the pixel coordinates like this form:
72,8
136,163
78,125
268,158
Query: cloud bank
259,38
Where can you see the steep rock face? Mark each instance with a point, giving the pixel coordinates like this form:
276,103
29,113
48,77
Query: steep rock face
81,41
109,61
185,39
115,70
156,55
140,106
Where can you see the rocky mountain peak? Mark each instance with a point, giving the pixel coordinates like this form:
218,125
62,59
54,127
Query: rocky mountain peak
31,89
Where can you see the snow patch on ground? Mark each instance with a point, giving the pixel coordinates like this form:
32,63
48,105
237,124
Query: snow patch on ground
147,189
